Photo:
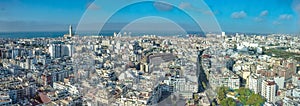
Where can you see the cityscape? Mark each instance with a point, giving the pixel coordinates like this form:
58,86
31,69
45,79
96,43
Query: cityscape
149,53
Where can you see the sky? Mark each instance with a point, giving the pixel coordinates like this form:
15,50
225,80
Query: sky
249,16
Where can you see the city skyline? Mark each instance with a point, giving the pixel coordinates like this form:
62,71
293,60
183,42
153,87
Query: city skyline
235,16
149,52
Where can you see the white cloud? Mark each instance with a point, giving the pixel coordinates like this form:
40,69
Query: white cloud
239,15
258,19
276,22
261,16
185,5
285,17
189,6
281,19
264,13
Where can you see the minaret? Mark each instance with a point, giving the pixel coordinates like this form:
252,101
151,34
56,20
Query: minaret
70,31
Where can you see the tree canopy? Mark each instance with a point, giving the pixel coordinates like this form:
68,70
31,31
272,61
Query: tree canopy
228,102
245,96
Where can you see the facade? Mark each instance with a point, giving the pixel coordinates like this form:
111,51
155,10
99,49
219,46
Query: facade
225,79
254,83
268,90
60,50
296,80
234,82
5,99
280,81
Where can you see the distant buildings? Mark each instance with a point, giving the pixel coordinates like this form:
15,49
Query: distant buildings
125,70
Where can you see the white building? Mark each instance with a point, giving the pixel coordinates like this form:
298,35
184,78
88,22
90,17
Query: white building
70,34
4,99
268,90
227,79
234,82
296,80
60,50
254,83
279,82
296,92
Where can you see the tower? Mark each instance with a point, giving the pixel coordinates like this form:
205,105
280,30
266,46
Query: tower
268,90
70,31
223,34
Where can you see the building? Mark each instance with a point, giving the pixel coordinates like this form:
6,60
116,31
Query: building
296,80
296,92
60,50
227,78
4,99
234,82
70,31
268,90
279,82
70,34
254,83
223,34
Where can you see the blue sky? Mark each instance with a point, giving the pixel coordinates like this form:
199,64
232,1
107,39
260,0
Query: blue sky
258,16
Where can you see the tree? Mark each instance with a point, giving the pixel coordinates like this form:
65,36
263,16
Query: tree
244,91
228,102
243,99
213,104
221,91
255,100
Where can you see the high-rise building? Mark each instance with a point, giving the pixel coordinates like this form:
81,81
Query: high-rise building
70,34
70,31
268,90
60,50
254,83
223,34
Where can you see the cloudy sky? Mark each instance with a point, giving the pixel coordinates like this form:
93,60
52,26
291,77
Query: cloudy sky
257,16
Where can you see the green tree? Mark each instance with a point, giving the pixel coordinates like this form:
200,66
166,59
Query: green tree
244,91
255,100
221,91
228,102
213,104
243,99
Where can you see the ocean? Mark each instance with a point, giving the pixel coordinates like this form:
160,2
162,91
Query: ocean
17,35
31,34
